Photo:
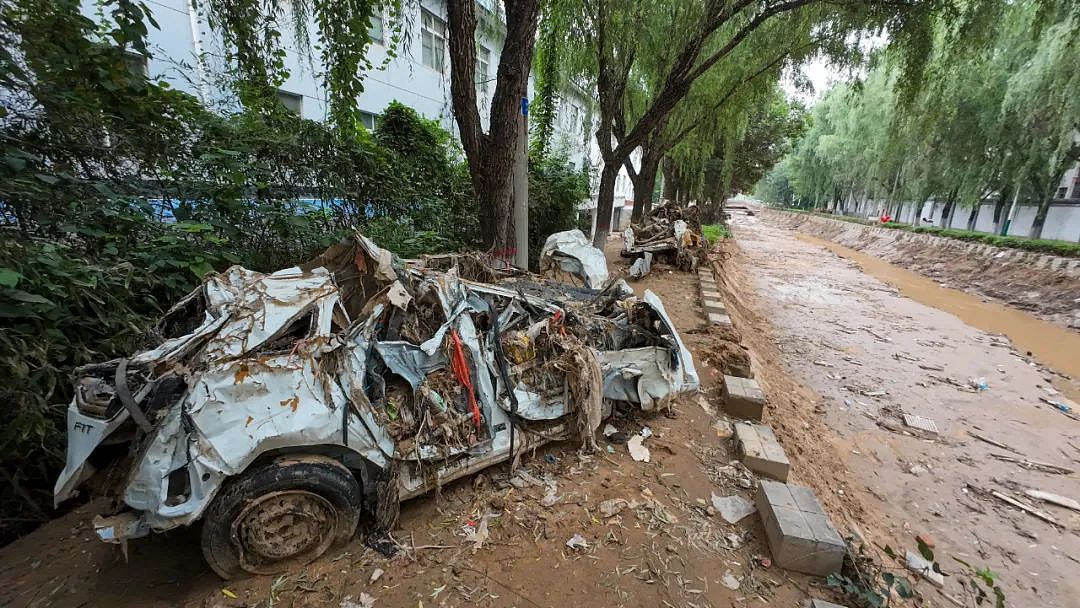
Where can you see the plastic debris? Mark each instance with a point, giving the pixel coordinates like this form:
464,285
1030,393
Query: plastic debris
978,384
917,563
638,451
375,576
577,541
613,506
732,508
730,580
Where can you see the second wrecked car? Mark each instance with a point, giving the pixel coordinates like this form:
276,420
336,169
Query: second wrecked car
279,409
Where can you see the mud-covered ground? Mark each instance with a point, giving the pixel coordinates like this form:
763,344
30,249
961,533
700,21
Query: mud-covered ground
864,354
1049,294
665,547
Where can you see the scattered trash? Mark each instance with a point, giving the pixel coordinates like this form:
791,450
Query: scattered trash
732,508
228,593
932,368
1034,464
723,429
381,542
925,425
1030,510
1061,406
916,469
996,444
363,601
918,564
824,364
638,451
551,497
375,576
730,580
613,506
577,541
550,459
979,384
1055,499
646,432
764,562
477,534
610,430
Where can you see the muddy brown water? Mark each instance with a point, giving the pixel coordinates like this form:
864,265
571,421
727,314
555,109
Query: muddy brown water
1055,346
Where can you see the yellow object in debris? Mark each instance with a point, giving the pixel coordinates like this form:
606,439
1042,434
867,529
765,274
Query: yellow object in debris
229,594
519,348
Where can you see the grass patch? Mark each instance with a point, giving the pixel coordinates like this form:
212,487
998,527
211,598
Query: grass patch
1050,246
715,232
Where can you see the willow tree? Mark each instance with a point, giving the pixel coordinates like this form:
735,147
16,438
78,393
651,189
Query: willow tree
993,118
253,33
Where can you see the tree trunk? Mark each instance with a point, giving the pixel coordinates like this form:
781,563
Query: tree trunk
1040,216
604,202
999,207
973,217
644,184
491,155
670,181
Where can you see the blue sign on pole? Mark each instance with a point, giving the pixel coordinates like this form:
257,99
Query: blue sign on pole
524,106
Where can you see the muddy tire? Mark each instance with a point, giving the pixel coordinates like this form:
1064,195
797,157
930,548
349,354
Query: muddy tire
288,512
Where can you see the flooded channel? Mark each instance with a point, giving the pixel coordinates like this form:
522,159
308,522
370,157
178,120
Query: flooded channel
1054,346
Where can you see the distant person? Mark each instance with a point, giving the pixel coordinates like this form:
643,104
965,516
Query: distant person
885,219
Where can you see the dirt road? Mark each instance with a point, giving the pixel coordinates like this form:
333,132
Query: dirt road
865,354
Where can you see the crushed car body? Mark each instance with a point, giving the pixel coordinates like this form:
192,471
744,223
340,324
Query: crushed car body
406,376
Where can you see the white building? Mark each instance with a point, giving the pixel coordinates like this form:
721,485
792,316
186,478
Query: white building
190,56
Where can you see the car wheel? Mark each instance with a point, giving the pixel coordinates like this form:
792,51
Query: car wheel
286,513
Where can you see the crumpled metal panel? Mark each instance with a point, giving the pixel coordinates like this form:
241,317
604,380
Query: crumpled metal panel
572,252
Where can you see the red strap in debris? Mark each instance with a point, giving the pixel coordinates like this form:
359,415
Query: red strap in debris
461,370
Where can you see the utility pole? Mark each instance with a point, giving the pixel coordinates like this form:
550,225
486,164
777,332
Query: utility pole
521,190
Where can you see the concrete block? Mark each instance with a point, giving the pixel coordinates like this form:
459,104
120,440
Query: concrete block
714,306
719,319
800,535
822,604
743,398
707,294
761,452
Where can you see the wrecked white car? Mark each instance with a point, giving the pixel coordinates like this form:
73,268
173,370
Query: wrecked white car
282,409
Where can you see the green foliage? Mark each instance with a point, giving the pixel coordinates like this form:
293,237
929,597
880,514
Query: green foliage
555,189
715,232
993,114
117,194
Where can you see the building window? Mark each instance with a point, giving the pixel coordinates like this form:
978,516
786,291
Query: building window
136,64
483,66
369,120
376,29
294,102
1062,191
1076,188
432,40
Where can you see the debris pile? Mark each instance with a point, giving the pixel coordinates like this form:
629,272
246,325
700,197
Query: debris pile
420,374
670,234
